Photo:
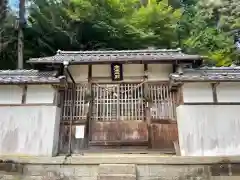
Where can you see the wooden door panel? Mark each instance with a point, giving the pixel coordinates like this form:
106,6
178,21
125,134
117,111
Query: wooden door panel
163,136
119,133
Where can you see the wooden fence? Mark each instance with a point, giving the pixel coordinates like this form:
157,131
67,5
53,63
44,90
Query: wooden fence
163,102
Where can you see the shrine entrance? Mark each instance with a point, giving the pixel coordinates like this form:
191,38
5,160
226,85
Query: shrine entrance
116,115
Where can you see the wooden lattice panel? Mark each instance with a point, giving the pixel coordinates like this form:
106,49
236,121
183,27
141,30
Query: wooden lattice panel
117,102
163,105
74,102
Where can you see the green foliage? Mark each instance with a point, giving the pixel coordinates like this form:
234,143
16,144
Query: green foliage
196,26
8,39
206,36
157,24
94,24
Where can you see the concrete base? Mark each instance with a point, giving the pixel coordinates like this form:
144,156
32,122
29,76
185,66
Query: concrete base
119,167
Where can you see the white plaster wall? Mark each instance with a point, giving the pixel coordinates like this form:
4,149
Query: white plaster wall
10,94
159,72
40,94
29,130
197,92
101,70
79,73
101,73
228,92
131,72
209,130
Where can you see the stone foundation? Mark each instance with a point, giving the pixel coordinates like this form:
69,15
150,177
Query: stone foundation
82,168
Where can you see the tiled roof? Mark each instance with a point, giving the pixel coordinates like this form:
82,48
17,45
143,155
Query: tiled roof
216,74
28,77
116,56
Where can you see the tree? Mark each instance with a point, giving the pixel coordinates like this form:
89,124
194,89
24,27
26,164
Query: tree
157,24
94,24
203,33
3,13
193,25
3,9
226,12
8,38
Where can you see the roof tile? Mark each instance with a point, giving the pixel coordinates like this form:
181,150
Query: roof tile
28,77
216,74
116,56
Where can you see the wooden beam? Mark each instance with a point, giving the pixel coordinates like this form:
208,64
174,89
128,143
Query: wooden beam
174,67
147,105
24,94
61,99
146,95
56,99
67,72
75,122
72,112
119,143
88,132
89,73
163,121
180,98
214,92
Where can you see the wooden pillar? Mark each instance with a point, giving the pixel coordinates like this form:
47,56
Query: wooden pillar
214,92
72,87
90,101
147,105
180,98
71,118
58,96
24,94
146,95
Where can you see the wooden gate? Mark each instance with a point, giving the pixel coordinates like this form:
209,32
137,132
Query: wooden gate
118,115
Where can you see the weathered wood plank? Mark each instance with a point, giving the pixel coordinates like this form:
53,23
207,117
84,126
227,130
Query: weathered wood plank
128,132
163,136
76,144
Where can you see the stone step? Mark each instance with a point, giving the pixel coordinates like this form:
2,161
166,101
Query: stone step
117,172
117,169
117,177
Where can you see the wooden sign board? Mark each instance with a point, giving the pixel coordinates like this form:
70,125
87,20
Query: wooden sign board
117,72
